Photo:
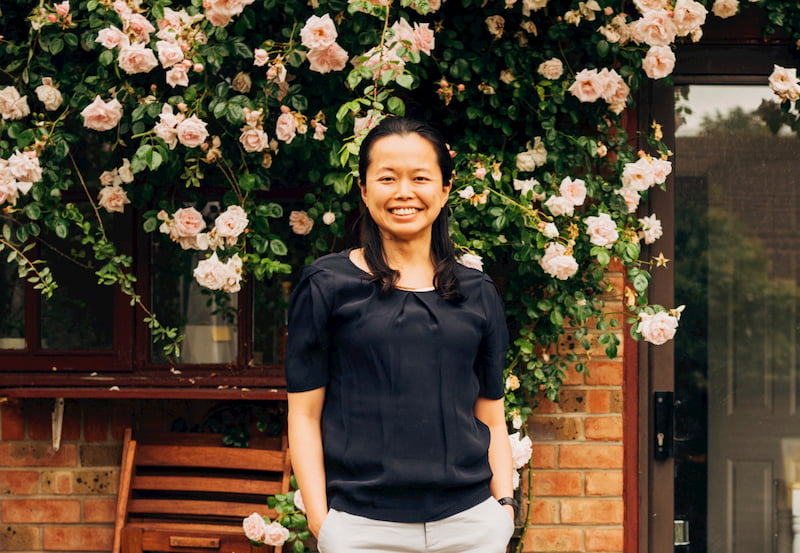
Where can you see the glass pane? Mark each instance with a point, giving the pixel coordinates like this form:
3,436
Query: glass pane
271,299
737,269
205,317
12,304
80,314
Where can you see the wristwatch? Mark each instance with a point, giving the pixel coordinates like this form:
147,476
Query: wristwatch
509,501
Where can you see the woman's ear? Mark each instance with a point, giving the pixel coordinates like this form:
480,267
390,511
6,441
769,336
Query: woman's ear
363,190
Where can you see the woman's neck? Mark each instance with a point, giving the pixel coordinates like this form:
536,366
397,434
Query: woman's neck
413,261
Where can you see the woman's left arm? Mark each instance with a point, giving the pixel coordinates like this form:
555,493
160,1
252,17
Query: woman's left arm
491,413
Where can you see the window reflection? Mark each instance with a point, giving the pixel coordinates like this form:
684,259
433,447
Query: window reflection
12,298
737,269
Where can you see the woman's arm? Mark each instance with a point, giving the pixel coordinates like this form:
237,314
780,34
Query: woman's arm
491,413
305,446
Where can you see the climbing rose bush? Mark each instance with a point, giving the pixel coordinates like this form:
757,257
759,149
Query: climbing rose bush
162,109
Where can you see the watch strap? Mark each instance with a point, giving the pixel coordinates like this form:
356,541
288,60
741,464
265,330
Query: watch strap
509,501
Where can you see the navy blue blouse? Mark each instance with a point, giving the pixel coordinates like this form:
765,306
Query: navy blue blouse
402,373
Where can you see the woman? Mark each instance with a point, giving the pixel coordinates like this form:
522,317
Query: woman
394,369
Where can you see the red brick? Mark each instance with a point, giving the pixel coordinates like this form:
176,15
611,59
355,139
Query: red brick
544,456
57,482
543,511
572,400
604,483
615,404
592,511
573,377
37,454
41,510
548,428
19,482
545,406
553,539
19,538
603,428
12,422
99,510
598,401
607,540
121,418
590,456
78,538
560,483
604,373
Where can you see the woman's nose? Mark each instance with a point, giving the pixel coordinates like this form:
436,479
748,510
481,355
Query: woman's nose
404,189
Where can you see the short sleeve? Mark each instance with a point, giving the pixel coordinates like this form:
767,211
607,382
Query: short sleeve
491,359
308,334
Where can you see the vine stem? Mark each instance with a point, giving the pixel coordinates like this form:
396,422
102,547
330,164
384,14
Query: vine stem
20,253
529,506
88,195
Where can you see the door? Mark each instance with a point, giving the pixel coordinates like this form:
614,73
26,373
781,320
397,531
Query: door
734,207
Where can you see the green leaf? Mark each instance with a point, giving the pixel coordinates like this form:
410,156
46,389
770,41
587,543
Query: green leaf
278,247
405,80
33,211
247,182
106,57
396,106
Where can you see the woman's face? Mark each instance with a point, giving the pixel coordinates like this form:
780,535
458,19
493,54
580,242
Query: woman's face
403,188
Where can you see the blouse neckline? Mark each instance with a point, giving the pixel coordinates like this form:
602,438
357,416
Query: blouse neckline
346,254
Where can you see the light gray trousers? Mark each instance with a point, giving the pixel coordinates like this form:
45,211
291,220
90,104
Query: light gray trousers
485,528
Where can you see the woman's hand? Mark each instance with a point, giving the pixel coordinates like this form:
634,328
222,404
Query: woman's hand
510,510
315,521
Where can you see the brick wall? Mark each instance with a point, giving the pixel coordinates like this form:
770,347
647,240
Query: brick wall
64,501
577,504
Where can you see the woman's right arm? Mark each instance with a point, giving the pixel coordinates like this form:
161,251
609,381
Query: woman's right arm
305,446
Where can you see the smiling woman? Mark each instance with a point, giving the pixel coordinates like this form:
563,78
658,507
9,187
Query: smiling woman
388,437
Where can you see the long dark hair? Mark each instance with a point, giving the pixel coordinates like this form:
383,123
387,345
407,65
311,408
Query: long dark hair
442,250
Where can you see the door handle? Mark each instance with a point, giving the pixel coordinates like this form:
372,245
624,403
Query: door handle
663,404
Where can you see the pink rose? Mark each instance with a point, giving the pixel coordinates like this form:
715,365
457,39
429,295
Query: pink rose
62,9
616,90
521,450
12,105
24,166
319,130
362,125
472,261
192,132
588,86
573,190
231,223
166,127
659,62
8,191
661,169
286,126
328,217
178,76
300,222
557,263
253,139
329,58
480,173
688,15
551,69
136,58
404,34
560,206
638,176
112,37
658,328
655,28
261,57
424,40
169,53
213,274
102,116
644,5
602,230
631,198
276,534
122,8
188,222
48,94
784,83
318,32
139,26
495,24
298,501
113,198
651,229
384,62
725,8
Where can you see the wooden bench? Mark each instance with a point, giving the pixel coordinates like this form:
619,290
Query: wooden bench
187,494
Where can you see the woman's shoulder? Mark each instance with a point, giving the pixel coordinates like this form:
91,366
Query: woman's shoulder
469,277
332,266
